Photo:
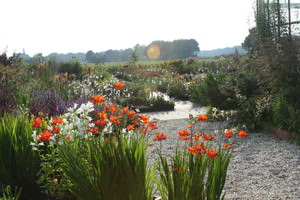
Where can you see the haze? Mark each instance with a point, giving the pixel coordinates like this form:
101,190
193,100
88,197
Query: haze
80,25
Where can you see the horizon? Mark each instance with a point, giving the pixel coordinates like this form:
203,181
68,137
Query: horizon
79,26
120,49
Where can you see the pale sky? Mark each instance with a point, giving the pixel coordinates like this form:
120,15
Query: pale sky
63,26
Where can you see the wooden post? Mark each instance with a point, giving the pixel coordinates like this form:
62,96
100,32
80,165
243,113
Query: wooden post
289,11
279,19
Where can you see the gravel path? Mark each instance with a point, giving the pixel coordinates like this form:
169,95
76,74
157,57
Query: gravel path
264,168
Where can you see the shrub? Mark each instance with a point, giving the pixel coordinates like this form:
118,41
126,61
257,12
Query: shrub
286,116
247,83
71,67
216,91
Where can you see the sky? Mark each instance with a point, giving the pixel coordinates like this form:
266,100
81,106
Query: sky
63,26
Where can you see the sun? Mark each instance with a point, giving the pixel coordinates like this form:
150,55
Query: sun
153,52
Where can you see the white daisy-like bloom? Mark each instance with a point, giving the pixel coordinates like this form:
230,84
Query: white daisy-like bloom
33,134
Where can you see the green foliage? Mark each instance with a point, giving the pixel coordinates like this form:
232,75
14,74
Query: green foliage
247,83
285,115
216,90
182,67
71,67
177,49
19,163
107,170
8,193
193,176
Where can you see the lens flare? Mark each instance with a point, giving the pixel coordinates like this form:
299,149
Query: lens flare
153,51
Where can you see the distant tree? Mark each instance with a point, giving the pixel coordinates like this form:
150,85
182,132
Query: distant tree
251,42
177,49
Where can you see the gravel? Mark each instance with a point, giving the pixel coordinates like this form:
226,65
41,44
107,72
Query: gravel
264,167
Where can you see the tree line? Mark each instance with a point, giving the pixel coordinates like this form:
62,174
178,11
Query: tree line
169,50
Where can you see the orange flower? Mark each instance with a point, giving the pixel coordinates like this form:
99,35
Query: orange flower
106,108
202,118
68,138
208,137
114,119
190,127
130,127
226,145
198,136
228,133
183,133
93,130
160,136
197,149
97,99
57,121
124,110
145,119
45,136
56,130
187,138
119,85
211,153
102,115
153,125
100,123
243,134
114,108
37,123
131,114
144,130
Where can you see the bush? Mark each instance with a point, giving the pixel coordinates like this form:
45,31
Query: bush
286,116
216,91
71,67
247,83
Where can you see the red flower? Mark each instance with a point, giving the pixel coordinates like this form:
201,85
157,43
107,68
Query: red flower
93,130
114,108
197,149
100,123
97,99
124,110
226,145
45,136
202,118
211,153
144,130
208,137
37,123
119,85
160,136
102,115
56,130
228,133
153,125
130,127
89,69
131,114
243,134
114,119
145,119
57,121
